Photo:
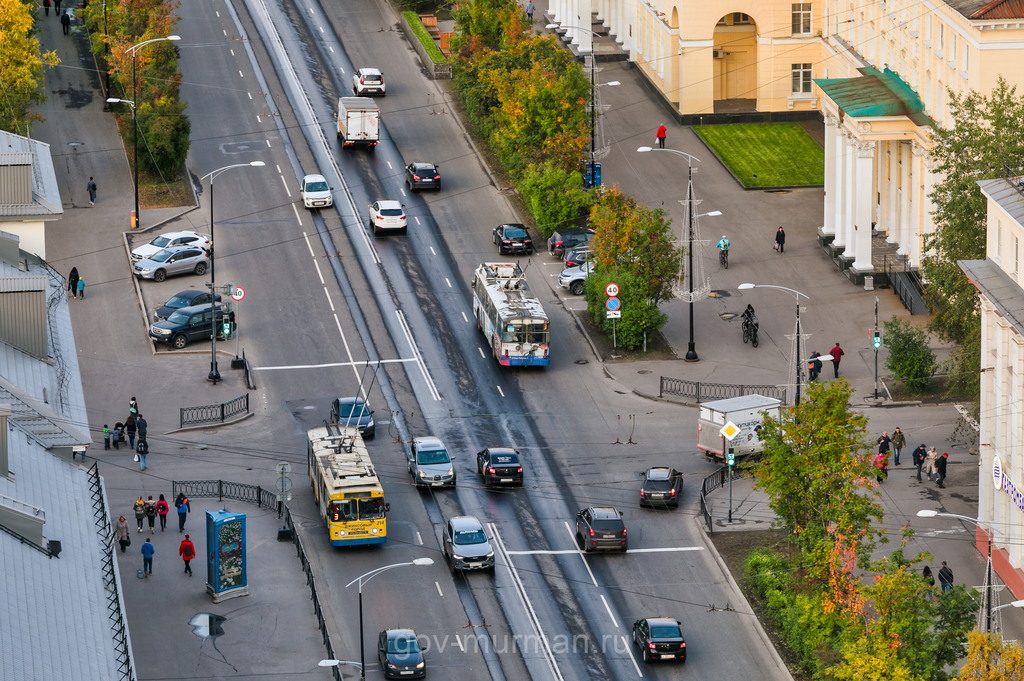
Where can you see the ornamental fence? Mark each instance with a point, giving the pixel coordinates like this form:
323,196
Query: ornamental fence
214,413
705,392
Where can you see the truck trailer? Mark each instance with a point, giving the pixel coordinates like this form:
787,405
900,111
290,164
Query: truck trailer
358,122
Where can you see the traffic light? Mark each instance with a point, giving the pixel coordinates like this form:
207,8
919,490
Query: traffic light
876,340
227,324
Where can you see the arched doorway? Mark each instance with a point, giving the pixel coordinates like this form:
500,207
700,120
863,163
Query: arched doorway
735,63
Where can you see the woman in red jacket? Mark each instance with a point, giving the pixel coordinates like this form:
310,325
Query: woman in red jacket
162,508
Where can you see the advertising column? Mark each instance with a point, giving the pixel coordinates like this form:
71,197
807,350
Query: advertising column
225,555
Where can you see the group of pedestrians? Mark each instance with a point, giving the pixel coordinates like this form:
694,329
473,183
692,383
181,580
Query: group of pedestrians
134,425
922,457
814,363
150,510
76,285
945,577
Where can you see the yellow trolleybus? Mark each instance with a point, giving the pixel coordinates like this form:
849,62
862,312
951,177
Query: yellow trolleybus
345,486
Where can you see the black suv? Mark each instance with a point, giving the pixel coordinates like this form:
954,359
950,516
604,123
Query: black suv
662,487
185,325
571,238
601,528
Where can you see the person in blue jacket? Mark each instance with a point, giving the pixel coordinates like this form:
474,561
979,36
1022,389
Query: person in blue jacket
147,557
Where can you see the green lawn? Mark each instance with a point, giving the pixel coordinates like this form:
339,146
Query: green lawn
779,154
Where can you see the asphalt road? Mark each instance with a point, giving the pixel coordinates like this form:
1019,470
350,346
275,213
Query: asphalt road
262,81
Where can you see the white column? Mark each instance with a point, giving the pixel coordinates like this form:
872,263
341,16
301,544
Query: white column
850,193
620,26
831,123
841,189
601,15
586,38
572,19
927,222
904,236
865,166
881,186
917,157
894,174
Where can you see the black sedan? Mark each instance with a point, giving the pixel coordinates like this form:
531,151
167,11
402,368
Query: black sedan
399,654
660,638
423,176
513,238
662,487
500,466
353,411
180,300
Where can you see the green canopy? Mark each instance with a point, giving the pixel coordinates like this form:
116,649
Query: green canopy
876,93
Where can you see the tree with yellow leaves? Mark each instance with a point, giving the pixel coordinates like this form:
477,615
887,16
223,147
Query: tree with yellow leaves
990,658
21,67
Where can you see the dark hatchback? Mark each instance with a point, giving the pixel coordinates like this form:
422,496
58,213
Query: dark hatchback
559,242
185,325
399,654
601,528
423,176
513,239
353,411
662,487
183,299
660,638
499,466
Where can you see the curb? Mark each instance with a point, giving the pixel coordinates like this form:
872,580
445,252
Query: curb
207,426
579,325
742,599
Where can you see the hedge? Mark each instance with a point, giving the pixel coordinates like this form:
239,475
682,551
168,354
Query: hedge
425,38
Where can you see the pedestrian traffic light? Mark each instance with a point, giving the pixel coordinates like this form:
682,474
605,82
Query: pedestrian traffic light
876,341
226,328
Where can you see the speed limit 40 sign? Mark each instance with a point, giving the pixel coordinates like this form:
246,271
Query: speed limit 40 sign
612,290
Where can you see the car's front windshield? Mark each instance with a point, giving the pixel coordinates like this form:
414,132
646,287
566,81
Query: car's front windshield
470,537
179,318
665,631
371,509
160,241
178,301
161,256
403,646
317,187
352,409
432,456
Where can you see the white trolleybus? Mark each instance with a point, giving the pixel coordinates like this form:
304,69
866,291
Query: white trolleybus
510,316
345,486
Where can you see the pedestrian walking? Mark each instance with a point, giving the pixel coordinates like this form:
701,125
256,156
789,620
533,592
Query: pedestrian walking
162,509
122,533
140,512
918,457
133,406
927,576
780,240
945,577
81,288
940,469
140,453
46,7
56,6
929,463
150,508
143,427
837,355
92,183
147,557
130,429
181,503
659,137
883,444
106,437
814,366
118,434
529,12
187,551
73,281
899,441
65,21
881,462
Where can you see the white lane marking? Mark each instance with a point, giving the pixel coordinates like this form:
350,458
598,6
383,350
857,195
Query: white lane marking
321,28
562,552
240,74
297,216
439,589
310,246
259,119
218,14
416,353
609,611
349,353
582,556
390,167
432,251
342,68
447,282
482,353
667,549
501,391
250,94
419,538
416,219
319,273
460,644
544,552
369,245
465,317
332,52
401,190
524,598
329,365
232,51
278,169
328,293
268,141
285,183
630,651
225,32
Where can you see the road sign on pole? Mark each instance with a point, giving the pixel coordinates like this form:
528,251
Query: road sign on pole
612,290
614,314
613,304
730,430
238,293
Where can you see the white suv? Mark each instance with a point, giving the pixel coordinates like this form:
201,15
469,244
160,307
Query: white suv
368,82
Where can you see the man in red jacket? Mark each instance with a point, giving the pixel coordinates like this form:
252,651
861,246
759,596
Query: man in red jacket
837,354
187,551
660,136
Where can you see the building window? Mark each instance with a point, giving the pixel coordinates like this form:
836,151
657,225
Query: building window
928,30
952,51
1016,257
801,78
740,18
802,18
942,39
999,239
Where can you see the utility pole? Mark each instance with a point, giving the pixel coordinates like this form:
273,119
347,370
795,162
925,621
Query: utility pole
876,341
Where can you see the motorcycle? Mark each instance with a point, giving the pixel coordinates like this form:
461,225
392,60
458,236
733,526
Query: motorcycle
750,326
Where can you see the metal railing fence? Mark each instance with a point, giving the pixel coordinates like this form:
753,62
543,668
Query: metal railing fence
712,482
225,489
703,392
214,413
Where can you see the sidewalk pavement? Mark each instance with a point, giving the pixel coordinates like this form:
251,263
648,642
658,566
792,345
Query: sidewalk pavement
273,630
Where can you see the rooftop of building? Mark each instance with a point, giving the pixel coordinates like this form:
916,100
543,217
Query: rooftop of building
44,201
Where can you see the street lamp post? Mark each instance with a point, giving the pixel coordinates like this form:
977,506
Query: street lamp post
799,363
214,375
928,513
363,579
691,348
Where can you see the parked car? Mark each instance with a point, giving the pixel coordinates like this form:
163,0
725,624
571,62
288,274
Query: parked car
174,260
315,192
575,278
354,411
513,238
576,256
662,487
430,463
601,528
188,298
465,545
170,239
500,466
422,176
660,638
368,82
572,238
399,654
387,216
184,326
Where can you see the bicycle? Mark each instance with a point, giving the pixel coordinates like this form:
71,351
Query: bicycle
750,327
723,257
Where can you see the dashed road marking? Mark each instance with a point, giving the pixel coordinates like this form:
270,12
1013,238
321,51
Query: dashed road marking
465,317
482,353
501,391
439,589
609,611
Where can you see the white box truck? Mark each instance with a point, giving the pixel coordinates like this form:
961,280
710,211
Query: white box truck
746,412
358,122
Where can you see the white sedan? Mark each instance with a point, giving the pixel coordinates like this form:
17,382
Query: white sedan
386,216
203,241
315,192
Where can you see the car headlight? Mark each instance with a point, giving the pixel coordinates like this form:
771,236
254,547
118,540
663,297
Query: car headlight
421,665
370,424
450,471
457,557
422,474
490,555
146,270
391,666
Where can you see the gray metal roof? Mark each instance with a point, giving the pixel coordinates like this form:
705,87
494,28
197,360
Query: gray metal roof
1006,195
1005,294
46,202
740,403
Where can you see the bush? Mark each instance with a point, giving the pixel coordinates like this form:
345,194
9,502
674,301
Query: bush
164,131
910,360
638,314
433,51
554,196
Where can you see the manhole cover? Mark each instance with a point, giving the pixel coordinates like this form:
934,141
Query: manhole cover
75,144
777,191
727,315
644,371
582,361
719,294
309,523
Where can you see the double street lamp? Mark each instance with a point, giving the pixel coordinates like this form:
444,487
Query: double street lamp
796,355
134,104
363,579
214,375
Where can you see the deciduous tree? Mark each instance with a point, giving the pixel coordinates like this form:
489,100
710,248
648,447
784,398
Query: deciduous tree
21,67
990,658
910,359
